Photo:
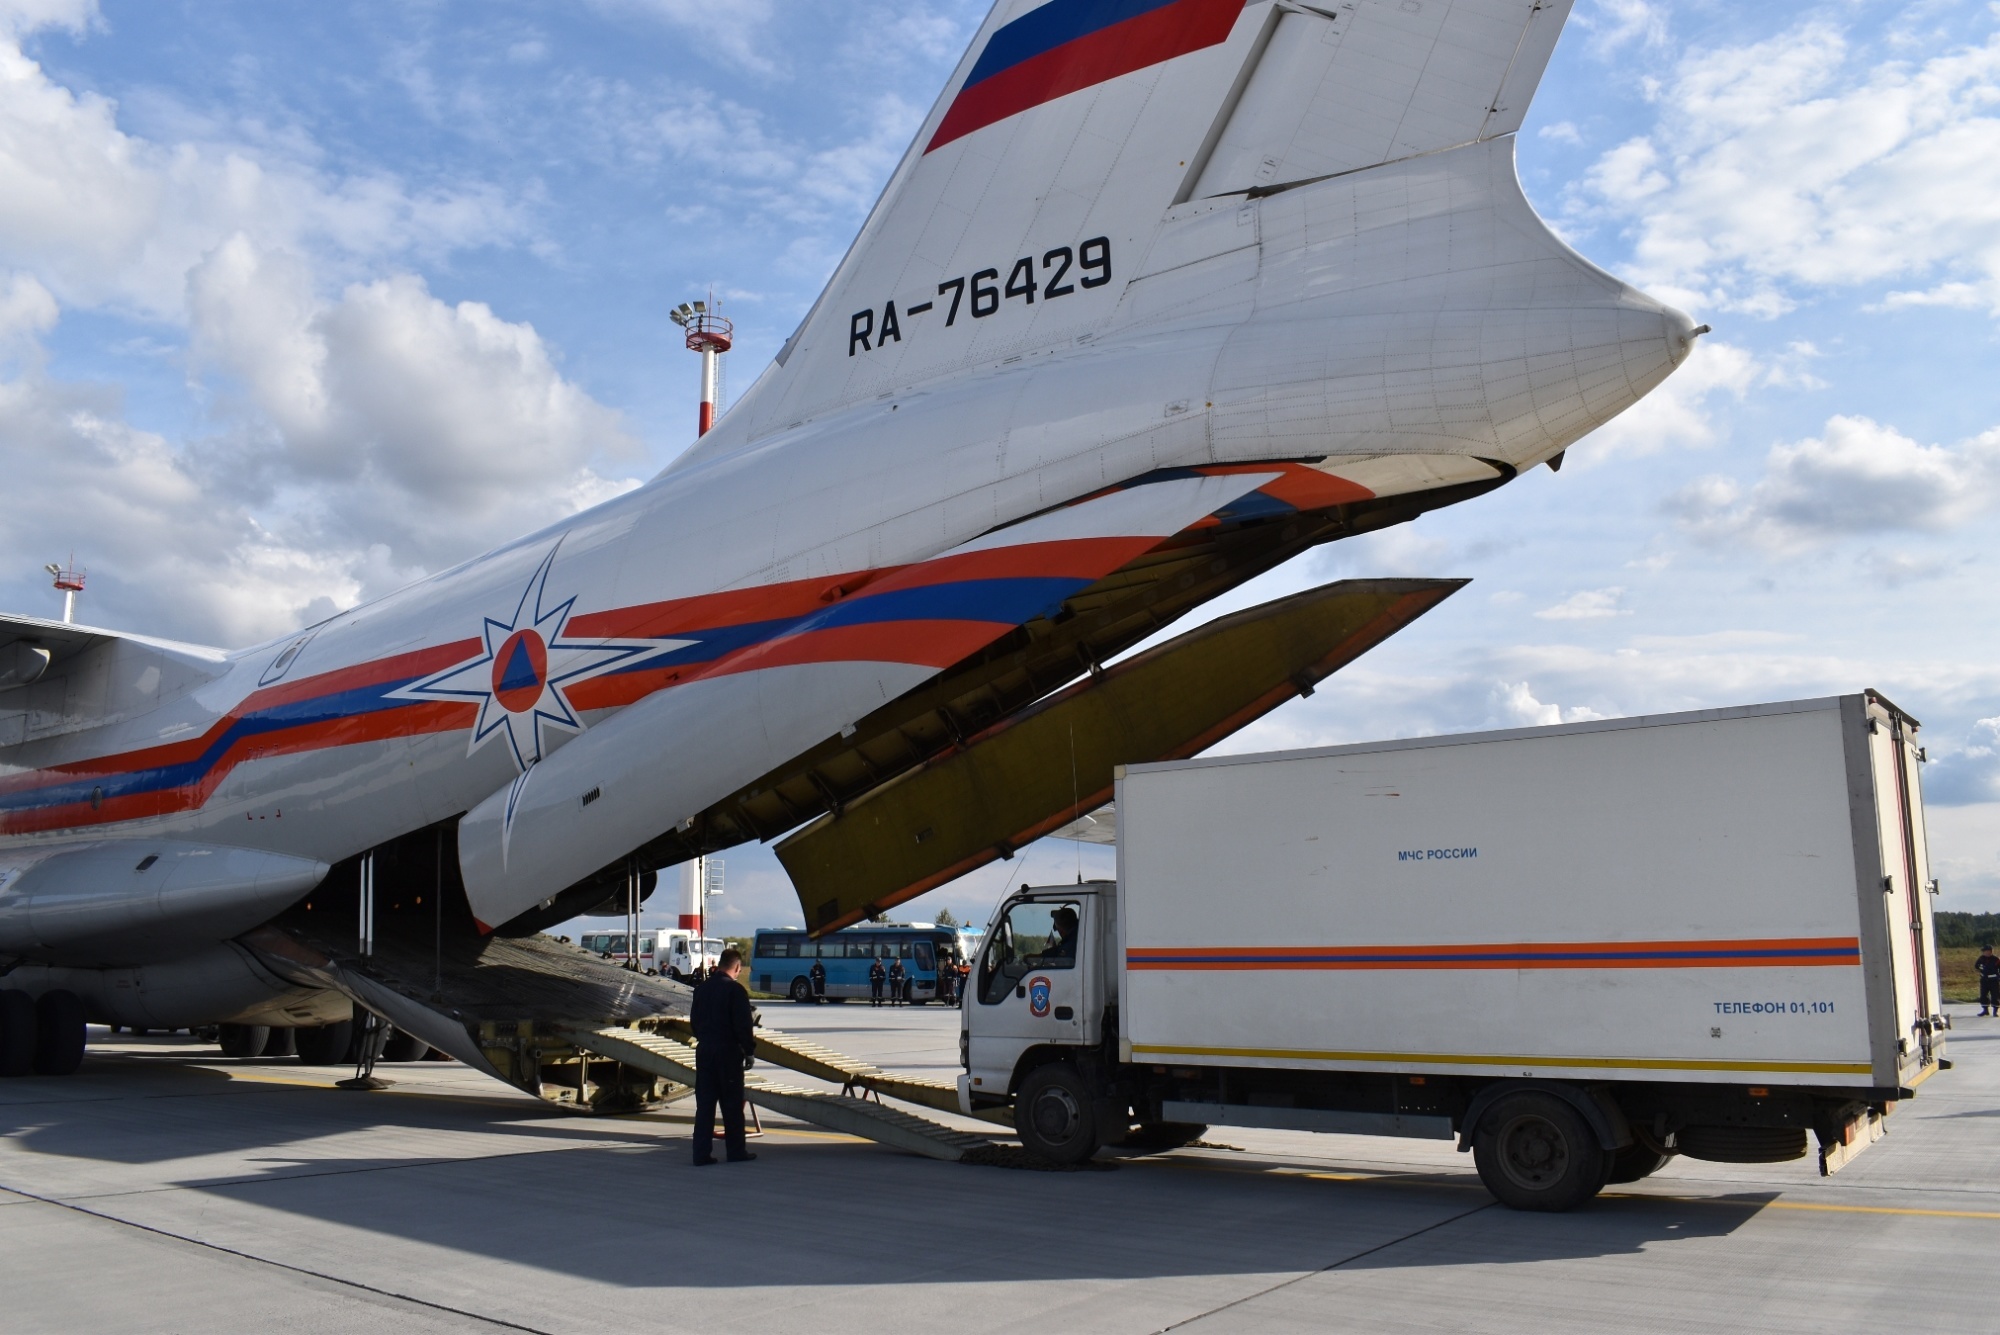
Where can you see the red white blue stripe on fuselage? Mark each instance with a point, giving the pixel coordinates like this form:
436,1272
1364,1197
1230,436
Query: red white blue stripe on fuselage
933,614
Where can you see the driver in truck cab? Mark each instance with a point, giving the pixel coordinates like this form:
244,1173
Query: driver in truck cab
1061,950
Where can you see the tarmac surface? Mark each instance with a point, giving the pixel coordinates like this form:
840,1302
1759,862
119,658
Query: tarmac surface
165,1188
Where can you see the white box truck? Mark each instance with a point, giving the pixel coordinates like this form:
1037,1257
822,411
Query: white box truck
1575,950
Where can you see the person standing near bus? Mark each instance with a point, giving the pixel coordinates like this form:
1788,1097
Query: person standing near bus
1987,966
899,978
818,975
725,1037
877,976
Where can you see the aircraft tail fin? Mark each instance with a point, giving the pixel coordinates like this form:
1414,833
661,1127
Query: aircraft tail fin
1071,129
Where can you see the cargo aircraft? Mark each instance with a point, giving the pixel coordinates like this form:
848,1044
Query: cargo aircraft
1163,294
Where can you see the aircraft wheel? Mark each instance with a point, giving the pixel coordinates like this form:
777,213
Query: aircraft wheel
283,1042
403,1047
17,1032
1056,1115
59,1033
1535,1152
243,1041
325,1045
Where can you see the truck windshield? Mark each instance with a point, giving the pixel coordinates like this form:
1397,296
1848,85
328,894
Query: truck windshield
1035,934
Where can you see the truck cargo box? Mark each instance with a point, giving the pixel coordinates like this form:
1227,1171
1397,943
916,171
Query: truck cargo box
1737,895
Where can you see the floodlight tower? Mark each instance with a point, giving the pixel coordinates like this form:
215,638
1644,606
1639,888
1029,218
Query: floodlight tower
709,334
69,580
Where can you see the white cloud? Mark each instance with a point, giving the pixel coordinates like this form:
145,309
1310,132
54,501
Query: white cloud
1515,705
1801,162
361,431
27,311
108,219
20,17
1587,605
1857,477
1968,772
1563,132
734,31
1614,24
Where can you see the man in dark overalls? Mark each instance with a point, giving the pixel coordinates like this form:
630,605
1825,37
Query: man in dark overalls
725,1038
1987,966
877,976
898,976
818,975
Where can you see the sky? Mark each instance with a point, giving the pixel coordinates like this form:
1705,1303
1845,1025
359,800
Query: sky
299,302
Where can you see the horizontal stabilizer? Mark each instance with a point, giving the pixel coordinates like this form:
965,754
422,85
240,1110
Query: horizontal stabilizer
56,677
1034,772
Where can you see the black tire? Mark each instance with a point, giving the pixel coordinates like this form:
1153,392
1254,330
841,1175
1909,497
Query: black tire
403,1047
326,1045
283,1042
60,1031
243,1041
17,1032
1536,1152
1636,1162
802,991
1159,1137
1055,1114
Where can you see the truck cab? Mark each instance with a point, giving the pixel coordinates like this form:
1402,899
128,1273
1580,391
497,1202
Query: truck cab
1043,990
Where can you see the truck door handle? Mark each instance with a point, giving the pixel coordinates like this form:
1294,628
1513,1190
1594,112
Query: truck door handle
1021,991
1065,1013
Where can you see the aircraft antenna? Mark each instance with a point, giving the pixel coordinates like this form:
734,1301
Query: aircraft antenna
69,581
711,335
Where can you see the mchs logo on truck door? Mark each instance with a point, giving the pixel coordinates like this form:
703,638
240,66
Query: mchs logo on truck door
1038,997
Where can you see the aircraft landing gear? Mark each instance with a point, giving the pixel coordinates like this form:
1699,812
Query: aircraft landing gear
59,1033
17,1033
42,1036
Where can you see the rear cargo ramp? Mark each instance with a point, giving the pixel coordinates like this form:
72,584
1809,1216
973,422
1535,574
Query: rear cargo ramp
670,1058
823,1063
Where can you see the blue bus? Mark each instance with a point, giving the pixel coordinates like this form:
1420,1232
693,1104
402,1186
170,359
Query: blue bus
781,960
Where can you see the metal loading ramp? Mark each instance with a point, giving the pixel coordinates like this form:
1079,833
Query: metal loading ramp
823,1063
670,1058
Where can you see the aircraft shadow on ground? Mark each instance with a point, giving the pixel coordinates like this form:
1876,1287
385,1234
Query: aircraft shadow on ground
840,1214
174,1116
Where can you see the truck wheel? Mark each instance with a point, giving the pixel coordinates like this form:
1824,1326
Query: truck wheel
17,1032
1054,1115
1159,1137
802,991
59,1033
1636,1161
1535,1152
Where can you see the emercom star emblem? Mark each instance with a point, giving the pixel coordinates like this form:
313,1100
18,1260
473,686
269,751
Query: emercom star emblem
519,679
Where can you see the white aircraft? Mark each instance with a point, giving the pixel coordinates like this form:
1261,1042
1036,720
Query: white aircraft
1164,293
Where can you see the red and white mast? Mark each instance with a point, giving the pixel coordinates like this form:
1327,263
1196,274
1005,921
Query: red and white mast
69,582
709,334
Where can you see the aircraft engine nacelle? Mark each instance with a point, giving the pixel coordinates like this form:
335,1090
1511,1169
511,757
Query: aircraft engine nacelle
137,901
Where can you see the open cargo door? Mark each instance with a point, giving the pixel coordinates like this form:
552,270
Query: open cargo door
1906,889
